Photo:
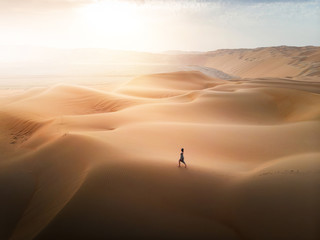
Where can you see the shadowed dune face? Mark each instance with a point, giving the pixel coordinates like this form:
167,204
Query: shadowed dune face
79,163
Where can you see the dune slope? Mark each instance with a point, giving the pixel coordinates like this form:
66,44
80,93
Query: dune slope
302,63
81,163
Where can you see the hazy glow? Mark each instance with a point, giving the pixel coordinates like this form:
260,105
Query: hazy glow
158,25
111,18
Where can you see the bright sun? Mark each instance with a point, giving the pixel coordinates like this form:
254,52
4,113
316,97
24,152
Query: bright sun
111,17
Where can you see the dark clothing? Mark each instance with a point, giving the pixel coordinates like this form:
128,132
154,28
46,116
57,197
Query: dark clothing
181,158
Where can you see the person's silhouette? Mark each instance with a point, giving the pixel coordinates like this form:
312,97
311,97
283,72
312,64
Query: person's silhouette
181,160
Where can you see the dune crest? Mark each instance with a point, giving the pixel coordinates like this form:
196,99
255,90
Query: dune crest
83,163
300,63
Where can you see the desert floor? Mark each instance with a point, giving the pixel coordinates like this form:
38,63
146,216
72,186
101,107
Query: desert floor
101,162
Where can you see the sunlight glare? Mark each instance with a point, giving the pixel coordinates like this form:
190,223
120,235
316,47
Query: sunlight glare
111,18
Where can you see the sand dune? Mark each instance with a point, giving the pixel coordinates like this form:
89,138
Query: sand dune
48,66
301,63
83,163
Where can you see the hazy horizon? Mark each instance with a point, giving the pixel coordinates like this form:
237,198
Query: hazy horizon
28,67
158,26
142,51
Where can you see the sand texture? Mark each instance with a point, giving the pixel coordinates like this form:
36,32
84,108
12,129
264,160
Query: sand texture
301,63
88,163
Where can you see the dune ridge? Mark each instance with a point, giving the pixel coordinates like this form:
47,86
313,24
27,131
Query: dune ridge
302,63
82,163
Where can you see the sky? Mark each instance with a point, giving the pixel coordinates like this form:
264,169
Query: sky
159,25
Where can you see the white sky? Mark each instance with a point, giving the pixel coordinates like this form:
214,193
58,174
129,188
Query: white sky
157,25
